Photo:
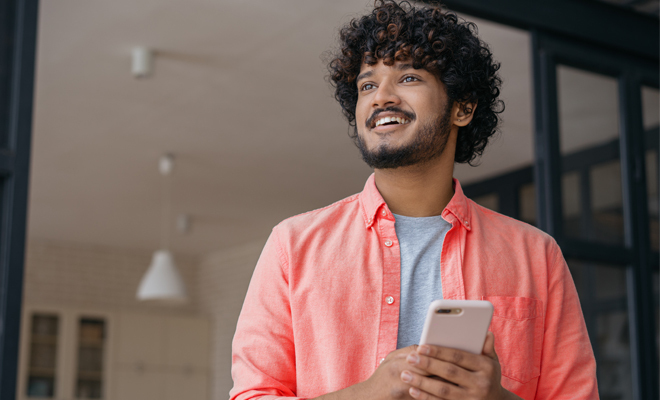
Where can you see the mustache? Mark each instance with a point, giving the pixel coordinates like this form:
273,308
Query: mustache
409,115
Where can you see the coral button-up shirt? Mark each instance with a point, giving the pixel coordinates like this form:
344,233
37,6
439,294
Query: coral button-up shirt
322,308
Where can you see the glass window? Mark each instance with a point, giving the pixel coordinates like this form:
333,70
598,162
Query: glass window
651,118
652,193
43,355
606,202
91,338
490,201
656,308
589,145
527,202
570,189
603,295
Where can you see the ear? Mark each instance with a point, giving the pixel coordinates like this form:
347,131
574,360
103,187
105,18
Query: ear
462,113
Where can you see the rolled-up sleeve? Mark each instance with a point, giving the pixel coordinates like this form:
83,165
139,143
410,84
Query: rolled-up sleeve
568,367
263,353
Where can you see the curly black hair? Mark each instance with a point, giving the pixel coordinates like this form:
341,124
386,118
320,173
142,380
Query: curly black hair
434,40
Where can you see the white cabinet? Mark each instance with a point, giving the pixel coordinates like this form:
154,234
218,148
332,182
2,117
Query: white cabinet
188,385
186,343
161,358
140,340
138,384
65,353
69,354
159,384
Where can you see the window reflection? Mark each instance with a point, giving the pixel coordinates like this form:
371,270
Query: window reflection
603,296
43,355
527,199
490,201
651,118
589,144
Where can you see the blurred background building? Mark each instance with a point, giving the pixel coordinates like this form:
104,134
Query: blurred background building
238,93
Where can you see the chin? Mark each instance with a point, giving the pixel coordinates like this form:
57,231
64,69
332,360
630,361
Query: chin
391,139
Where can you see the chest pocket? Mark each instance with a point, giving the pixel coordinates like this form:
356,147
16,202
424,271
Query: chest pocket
518,327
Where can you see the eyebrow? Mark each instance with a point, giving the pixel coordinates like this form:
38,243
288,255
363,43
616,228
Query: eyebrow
364,75
367,74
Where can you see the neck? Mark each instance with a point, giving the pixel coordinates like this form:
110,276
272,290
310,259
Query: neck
421,190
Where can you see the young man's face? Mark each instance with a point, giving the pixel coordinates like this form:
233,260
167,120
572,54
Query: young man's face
415,102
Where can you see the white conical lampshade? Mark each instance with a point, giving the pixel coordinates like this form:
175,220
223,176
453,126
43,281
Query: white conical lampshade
162,280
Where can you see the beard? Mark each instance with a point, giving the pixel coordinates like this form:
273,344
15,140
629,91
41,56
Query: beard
428,143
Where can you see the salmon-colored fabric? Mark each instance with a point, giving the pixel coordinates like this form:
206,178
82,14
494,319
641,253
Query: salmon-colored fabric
322,308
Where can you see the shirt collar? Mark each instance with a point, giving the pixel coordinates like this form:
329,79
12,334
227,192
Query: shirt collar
459,206
372,204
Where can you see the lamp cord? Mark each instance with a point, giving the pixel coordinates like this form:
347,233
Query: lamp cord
166,208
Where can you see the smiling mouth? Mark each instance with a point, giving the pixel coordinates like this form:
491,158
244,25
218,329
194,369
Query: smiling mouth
386,121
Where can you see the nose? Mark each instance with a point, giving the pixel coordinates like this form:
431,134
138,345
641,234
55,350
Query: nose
385,96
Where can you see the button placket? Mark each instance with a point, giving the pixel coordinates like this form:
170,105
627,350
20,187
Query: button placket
391,285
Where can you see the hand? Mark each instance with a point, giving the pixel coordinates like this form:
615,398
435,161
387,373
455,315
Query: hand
385,383
462,375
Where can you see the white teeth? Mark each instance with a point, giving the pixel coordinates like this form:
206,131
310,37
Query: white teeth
391,119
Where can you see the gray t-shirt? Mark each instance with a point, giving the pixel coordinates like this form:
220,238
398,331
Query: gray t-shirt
420,240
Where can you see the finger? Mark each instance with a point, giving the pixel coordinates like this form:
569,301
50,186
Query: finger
489,346
419,395
403,358
464,359
429,388
403,351
442,369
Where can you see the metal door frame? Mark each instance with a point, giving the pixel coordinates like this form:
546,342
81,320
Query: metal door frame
631,73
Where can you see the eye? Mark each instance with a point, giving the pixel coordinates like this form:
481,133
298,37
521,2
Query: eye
410,79
367,86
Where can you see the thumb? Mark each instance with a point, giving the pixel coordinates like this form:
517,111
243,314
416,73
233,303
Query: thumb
489,346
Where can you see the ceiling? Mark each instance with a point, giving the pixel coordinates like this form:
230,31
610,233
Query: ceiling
649,7
239,95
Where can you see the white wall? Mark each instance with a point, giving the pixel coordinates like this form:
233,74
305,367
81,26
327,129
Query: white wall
94,276
223,278
72,275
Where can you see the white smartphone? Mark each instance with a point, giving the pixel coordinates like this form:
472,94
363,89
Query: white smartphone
459,324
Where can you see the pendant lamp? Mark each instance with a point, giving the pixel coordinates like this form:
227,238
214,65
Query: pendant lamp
162,281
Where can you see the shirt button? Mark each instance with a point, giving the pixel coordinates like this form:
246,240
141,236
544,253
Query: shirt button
389,299
384,213
381,361
388,243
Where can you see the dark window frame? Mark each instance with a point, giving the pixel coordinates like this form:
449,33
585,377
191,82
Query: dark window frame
18,36
631,72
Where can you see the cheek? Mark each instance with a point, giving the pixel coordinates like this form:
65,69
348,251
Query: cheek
361,113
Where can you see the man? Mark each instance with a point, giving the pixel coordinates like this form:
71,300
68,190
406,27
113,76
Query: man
337,301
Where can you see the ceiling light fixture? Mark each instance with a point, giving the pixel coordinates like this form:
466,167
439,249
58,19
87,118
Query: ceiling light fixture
162,281
142,64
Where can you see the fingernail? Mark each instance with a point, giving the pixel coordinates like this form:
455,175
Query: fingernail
406,376
414,392
424,349
413,358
